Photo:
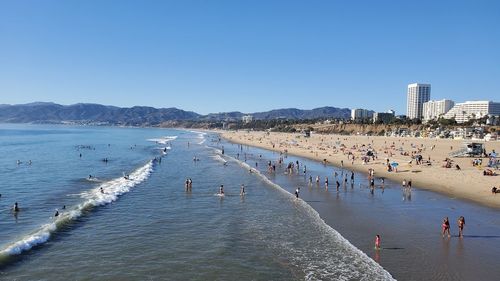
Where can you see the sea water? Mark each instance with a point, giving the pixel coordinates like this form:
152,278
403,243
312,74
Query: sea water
124,213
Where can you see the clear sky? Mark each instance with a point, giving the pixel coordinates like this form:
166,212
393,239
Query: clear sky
214,56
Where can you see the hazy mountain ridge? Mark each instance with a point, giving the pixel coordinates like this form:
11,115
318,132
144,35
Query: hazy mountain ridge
43,112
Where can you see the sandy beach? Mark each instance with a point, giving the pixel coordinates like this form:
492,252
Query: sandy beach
468,183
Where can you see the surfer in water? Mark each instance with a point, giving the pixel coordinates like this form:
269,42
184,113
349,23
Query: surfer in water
57,213
102,190
242,190
15,208
221,190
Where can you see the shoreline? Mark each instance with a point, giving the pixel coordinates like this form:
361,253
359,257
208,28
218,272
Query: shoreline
467,184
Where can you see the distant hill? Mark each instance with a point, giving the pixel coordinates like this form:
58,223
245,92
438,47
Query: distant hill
286,113
44,112
294,113
55,113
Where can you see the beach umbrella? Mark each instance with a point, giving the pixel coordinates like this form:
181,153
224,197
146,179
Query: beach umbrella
394,164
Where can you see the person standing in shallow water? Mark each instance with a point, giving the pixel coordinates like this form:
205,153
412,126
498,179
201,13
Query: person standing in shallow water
377,242
446,227
461,224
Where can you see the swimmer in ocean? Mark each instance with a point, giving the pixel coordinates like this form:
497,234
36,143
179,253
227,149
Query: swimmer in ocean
242,190
221,190
15,208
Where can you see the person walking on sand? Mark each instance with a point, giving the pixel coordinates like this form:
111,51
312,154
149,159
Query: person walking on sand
461,223
446,227
297,192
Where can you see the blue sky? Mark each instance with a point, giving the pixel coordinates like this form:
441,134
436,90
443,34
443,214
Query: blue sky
214,56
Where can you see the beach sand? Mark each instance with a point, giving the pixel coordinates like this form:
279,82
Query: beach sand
468,183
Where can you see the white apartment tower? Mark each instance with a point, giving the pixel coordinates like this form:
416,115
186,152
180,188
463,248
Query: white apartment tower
435,109
361,114
417,95
247,118
463,112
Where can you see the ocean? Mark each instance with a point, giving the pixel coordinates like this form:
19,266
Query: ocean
147,227
125,214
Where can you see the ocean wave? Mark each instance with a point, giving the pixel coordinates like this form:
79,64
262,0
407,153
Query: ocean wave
111,191
163,140
219,158
200,134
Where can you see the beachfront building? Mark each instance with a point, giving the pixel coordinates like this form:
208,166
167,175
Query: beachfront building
463,112
247,119
435,109
384,117
361,114
417,95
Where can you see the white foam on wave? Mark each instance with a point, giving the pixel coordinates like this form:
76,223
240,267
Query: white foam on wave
163,140
328,230
219,158
112,190
201,135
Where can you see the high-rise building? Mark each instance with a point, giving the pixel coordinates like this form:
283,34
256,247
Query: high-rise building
463,112
435,109
361,114
417,95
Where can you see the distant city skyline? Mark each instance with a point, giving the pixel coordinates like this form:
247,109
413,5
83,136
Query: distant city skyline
220,56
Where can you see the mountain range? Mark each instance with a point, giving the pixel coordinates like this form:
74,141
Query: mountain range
46,112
